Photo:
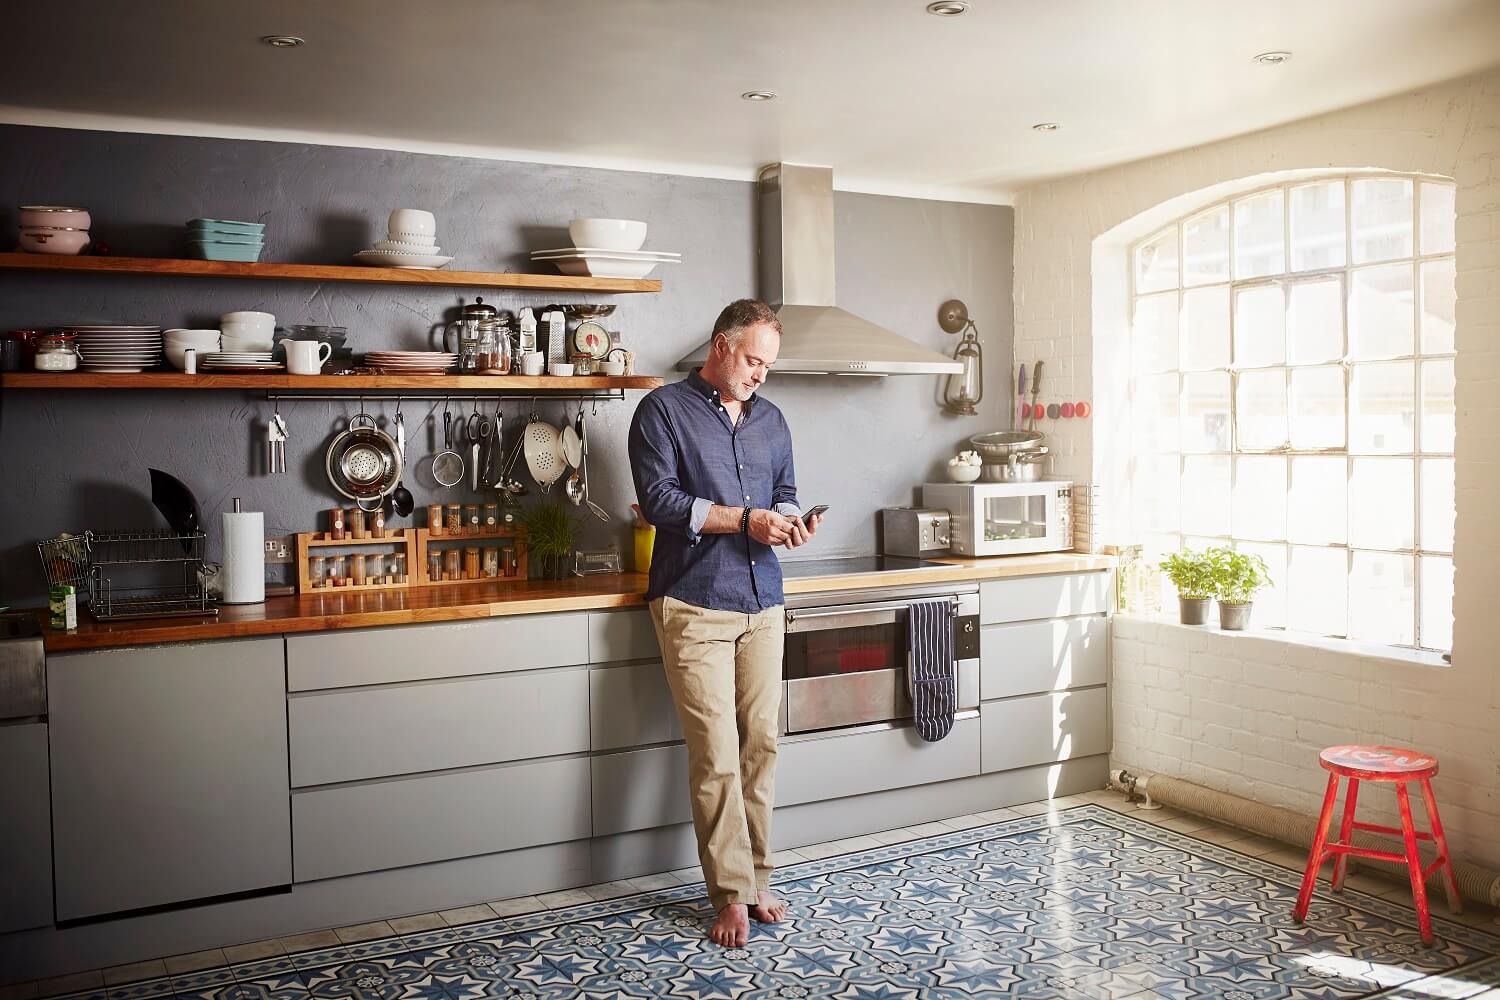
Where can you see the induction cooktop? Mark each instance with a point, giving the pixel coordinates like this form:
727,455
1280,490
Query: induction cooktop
803,568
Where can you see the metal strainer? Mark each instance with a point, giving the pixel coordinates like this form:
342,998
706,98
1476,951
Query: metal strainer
543,452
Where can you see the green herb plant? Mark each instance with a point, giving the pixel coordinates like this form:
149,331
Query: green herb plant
549,531
1191,573
1236,575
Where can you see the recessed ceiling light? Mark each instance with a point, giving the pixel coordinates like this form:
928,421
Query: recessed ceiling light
283,41
1045,127
1273,58
947,8
759,95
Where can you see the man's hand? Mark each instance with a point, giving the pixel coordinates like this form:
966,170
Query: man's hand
771,528
802,531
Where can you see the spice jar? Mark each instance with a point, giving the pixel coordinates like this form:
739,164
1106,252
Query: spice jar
508,560
435,518
336,570
451,568
317,571
56,353
377,523
434,565
359,569
398,567
454,522
336,523
471,519
491,562
375,568
491,516
471,563
355,519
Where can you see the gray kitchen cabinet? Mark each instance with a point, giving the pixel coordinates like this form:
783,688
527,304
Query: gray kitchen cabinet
630,706
1029,598
640,790
169,774
1044,728
355,733
393,654
622,635
26,833
1033,657
372,826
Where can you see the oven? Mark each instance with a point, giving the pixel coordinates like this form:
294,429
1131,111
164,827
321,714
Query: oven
847,654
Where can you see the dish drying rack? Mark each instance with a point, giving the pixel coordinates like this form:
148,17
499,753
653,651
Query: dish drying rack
132,574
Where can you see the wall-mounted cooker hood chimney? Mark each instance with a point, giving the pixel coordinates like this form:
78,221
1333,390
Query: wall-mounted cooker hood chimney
797,278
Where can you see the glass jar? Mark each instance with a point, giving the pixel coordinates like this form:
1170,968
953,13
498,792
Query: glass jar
359,569
377,522
434,566
471,563
336,523
435,518
454,523
336,569
508,561
452,570
56,353
491,562
355,519
491,516
317,570
398,567
471,518
494,347
375,569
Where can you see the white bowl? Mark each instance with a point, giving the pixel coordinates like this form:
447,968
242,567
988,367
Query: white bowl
415,239
560,368
614,369
232,346
413,220
608,234
191,338
964,473
248,320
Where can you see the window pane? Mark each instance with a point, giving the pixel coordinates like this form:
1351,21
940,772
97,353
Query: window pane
1270,603
1260,410
1437,405
1437,602
1384,601
1317,510
1156,263
1318,226
1437,504
1259,326
1205,247
1157,491
1317,408
1153,335
1437,217
1259,497
1438,299
1317,592
1381,219
1205,412
1382,408
1315,322
1205,328
1380,503
1259,235
1155,412
1205,494
1380,313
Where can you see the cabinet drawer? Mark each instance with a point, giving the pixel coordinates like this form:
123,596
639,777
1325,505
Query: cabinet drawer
409,728
630,706
1042,656
835,766
412,821
26,834
641,790
622,635
1043,728
1043,597
422,652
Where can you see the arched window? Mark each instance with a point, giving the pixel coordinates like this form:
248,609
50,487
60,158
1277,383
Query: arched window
1291,391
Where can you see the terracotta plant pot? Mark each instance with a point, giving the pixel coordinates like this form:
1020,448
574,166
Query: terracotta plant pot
1192,610
1234,617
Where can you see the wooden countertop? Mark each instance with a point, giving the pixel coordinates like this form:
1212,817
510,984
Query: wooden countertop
322,612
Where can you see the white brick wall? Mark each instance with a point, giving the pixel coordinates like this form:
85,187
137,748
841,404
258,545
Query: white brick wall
1248,714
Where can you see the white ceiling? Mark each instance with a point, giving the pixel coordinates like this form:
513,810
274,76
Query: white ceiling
895,99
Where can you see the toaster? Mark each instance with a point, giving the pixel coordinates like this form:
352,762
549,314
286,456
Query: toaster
914,531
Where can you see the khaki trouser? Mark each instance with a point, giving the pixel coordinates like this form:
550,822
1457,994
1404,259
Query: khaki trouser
724,668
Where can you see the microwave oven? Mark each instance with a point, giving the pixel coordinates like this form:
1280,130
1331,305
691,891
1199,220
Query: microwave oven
1004,519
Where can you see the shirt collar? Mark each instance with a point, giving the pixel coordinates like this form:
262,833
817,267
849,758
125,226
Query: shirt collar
700,385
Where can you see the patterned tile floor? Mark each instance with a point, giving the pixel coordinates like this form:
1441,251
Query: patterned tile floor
1042,902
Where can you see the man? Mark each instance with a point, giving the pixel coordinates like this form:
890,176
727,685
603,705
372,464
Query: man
712,464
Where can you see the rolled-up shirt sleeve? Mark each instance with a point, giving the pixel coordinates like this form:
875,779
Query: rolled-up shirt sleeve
653,467
784,479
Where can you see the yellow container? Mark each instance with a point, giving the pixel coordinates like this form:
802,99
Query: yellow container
645,542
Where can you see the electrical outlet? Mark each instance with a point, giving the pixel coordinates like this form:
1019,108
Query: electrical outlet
279,548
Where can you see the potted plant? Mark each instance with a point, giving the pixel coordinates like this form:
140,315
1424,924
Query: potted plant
1192,574
549,536
1236,578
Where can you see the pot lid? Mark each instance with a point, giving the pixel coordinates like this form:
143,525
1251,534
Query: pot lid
478,309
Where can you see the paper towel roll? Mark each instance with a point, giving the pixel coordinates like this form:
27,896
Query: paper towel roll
244,573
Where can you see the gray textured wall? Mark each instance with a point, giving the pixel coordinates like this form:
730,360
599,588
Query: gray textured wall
70,461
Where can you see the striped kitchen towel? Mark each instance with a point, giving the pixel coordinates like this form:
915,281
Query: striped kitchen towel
934,681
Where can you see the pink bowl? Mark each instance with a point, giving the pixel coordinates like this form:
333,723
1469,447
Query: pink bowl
59,216
58,241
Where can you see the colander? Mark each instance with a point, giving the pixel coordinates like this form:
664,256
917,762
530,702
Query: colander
363,462
544,455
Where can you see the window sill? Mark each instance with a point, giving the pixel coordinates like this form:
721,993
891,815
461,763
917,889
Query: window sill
1392,655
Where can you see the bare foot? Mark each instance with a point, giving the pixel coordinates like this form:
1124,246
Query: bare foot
732,929
769,909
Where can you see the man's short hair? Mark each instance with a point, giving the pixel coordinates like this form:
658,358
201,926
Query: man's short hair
740,315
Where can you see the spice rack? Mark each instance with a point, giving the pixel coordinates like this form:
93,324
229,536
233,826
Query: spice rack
430,543
313,544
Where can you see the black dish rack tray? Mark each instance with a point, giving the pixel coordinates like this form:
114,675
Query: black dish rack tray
132,574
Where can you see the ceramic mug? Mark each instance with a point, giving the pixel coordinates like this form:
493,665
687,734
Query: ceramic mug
306,357
531,364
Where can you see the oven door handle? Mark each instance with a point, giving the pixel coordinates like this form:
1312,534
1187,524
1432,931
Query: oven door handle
865,614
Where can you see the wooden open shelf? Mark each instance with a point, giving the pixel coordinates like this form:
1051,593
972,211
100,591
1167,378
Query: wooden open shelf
324,272
326,383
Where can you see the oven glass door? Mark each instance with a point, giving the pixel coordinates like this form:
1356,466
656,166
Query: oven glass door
846,666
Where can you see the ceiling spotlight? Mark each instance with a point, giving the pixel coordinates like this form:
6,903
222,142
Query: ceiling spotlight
759,95
1045,127
947,8
283,41
1273,58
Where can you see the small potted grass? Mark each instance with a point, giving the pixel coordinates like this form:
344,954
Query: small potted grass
1192,574
1236,578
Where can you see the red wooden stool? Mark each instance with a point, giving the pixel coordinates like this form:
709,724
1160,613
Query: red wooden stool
1367,763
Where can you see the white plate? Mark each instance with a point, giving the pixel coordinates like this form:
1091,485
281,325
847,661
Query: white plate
608,268
622,254
113,329
397,246
380,258
412,354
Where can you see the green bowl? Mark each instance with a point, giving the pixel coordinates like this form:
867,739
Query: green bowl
226,251
226,226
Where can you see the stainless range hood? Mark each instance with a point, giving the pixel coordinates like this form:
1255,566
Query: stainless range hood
797,279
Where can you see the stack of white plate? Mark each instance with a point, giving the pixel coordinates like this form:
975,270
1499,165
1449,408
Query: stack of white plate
107,348
244,361
411,362
410,241
593,262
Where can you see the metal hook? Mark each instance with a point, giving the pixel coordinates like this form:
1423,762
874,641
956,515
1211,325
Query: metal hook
593,407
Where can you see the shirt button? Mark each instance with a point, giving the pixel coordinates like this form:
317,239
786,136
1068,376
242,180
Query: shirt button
752,562
742,468
747,498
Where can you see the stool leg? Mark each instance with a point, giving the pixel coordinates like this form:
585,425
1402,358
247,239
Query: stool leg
1414,864
1455,901
1315,852
1346,827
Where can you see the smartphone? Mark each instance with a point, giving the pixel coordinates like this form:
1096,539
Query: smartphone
817,511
